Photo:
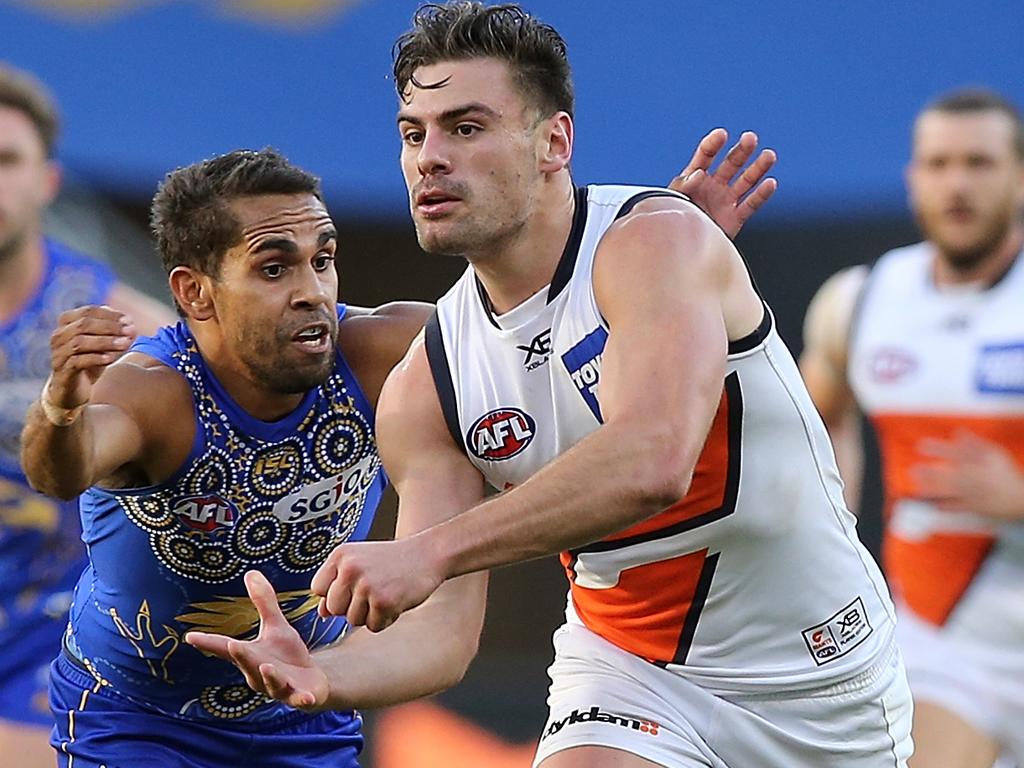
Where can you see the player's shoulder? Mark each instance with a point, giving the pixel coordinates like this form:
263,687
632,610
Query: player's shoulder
373,340
663,233
386,329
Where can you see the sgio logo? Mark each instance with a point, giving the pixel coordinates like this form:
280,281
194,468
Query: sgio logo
501,434
205,513
326,496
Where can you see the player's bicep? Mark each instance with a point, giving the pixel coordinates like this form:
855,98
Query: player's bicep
660,289
433,477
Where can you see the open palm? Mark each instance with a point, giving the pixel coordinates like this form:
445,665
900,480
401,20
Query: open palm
277,663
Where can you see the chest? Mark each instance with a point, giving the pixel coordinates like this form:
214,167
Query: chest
935,351
525,396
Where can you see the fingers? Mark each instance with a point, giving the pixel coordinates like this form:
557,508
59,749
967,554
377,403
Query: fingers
86,338
754,172
264,598
736,157
245,658
216,645
761,194
706,152
281,688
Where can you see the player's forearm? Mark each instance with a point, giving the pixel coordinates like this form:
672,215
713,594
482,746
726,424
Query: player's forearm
426,651
609,481
56,459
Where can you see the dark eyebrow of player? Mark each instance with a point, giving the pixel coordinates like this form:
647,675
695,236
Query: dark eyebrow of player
451,115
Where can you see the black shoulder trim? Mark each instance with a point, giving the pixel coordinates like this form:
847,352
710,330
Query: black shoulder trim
567,263
755,337
434,342
632,202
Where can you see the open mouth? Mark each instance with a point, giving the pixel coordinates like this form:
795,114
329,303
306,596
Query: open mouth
436,202
314,338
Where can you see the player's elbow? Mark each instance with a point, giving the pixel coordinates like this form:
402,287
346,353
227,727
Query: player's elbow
662,470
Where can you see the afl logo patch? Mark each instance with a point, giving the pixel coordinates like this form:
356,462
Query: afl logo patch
501,434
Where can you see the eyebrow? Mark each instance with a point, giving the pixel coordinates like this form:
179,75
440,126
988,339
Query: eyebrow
451,115
288,246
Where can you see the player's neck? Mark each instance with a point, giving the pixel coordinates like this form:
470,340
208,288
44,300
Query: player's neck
525,264
988,269
21,270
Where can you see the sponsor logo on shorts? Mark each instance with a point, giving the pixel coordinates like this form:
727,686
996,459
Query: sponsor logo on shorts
839,635
596,715
1001,369
501,434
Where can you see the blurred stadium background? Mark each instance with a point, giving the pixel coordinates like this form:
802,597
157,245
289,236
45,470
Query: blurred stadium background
148,85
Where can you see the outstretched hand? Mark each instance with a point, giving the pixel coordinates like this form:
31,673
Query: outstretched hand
277,663
731,194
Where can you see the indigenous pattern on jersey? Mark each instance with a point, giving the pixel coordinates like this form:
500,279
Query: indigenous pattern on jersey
272,496
41,555
755,579
928,364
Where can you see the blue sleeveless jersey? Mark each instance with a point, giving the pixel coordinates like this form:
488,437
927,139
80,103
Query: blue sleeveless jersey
272,496
41,555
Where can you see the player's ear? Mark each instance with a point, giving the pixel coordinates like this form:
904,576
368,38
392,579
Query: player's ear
191,291
556,136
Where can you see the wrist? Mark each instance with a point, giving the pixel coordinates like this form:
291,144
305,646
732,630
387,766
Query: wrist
57,415
441,559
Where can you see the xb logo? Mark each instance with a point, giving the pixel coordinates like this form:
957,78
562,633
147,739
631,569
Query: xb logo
539,348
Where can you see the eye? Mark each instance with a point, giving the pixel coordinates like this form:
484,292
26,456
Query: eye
323,261
273,271
413,137
466,129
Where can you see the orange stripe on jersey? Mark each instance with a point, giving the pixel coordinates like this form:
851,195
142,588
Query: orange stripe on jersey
653,609
900,435
711,477
647,612
931,575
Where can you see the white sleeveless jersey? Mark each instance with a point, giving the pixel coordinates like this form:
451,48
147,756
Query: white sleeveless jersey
929,363
755,580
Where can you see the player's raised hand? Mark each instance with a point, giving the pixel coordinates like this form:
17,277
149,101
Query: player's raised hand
731,193
373,583
85,342
277,663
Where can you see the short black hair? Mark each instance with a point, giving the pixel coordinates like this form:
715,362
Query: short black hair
465,29
191,218
966,100
21,91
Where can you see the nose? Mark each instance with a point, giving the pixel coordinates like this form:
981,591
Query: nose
314,289
433,156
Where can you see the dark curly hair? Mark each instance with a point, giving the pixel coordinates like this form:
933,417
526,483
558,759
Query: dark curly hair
190,217
465,29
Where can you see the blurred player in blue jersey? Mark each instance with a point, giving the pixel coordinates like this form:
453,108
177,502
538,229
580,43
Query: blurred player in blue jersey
41,556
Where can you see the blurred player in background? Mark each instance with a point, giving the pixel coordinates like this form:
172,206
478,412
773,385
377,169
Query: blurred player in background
929,343
41,555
